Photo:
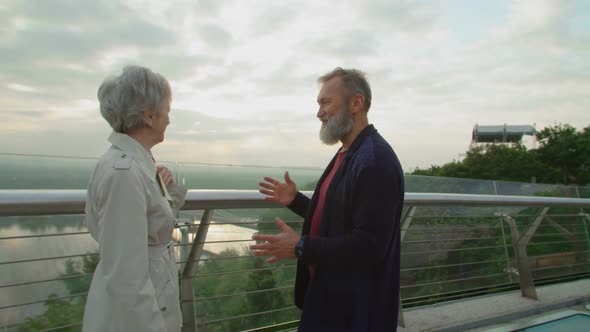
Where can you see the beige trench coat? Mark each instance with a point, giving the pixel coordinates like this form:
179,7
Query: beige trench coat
135,285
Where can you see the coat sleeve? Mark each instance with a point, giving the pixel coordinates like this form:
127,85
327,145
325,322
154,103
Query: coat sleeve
124,254
377,200
300,204
178,194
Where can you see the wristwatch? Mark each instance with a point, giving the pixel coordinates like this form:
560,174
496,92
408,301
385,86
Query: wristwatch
299,248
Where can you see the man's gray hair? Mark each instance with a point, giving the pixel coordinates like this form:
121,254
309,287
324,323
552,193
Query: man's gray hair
124,99
354,79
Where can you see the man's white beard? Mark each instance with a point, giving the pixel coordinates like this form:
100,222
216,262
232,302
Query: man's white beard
337,127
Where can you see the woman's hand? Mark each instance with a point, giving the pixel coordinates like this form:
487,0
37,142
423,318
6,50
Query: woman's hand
166,176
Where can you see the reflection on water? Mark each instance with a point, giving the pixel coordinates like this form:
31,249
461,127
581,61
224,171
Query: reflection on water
240,235
34,248
34,241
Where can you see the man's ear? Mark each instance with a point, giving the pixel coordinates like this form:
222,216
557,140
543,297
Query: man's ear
357,103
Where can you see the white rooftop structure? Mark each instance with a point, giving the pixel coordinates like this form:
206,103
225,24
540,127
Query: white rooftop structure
506,134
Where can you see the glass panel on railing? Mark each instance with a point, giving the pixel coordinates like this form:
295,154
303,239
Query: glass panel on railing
433,184
43,259
584,192
451,253
48,172
535,189
203,176
234,290
560,250
39,172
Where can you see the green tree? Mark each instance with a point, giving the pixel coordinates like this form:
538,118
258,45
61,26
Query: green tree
59,312
563,157
566,151
69,311
227,289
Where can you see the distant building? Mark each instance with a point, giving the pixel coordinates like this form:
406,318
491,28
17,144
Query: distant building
501,134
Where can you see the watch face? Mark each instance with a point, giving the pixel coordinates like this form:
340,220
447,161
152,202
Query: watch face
299,249
299,252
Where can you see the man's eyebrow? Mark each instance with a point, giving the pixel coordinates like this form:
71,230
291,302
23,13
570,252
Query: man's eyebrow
324,99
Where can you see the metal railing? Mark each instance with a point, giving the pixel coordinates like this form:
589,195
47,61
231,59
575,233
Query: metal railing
453,246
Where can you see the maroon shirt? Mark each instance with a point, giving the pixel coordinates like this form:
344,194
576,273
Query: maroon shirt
319,209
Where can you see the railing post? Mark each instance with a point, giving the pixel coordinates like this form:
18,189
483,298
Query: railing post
527,284
187,296
406,221
508,267
586,217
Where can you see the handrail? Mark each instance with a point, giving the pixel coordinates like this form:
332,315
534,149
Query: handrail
71,202
20,202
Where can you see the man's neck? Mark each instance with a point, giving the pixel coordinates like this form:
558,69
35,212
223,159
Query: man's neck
350,137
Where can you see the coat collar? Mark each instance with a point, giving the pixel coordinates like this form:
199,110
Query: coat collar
136,151
368,130
358,141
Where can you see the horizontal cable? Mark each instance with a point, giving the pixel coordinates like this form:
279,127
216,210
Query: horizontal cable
455,280
47,258
532,243
45,156
564,252
447,240
242,223
244,316
558,266
40,236
290,326
210,242
422,228
469,293
446,250
215,259
450,265
563,277
217,297
490,209
290,282
60,327
159,161
215,274
560,224
456,291
48,280
560,234
43,301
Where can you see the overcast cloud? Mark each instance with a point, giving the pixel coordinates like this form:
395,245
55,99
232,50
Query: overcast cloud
243,73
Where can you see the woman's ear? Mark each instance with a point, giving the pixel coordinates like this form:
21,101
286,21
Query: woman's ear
148,118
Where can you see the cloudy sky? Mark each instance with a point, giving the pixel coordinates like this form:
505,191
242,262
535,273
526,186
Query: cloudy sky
243,72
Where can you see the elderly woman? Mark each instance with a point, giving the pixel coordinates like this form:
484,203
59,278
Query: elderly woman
130,208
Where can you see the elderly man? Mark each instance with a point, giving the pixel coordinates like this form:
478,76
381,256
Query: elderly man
348,253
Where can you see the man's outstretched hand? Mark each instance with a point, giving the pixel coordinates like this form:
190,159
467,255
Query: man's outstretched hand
278,246
277,192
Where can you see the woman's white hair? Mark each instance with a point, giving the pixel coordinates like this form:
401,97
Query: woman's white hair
124,99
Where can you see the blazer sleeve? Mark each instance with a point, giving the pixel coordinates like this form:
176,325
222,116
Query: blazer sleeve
377,199
300,204
124,253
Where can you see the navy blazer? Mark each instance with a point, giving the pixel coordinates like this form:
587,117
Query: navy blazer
356,285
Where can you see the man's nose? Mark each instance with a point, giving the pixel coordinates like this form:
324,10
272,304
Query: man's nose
320,113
